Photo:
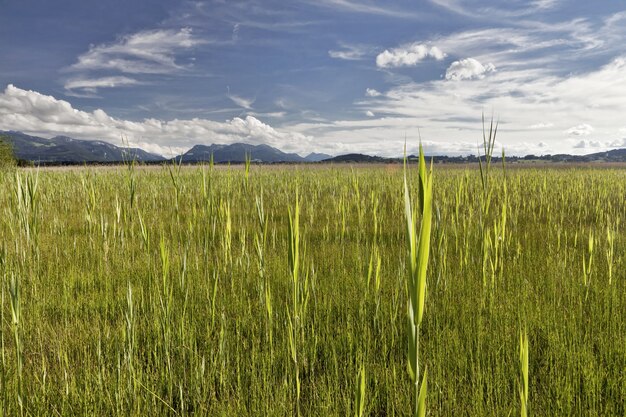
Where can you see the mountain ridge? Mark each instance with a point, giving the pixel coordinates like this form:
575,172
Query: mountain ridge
238,152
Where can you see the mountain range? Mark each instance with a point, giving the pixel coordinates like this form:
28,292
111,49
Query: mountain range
66,150
63,149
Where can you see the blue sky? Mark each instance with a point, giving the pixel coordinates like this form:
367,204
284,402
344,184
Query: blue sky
331,76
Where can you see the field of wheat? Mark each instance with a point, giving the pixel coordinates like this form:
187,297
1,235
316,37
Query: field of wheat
313,291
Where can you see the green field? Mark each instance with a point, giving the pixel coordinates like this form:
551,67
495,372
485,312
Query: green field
176,291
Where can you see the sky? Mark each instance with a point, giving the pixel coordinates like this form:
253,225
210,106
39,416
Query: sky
331,76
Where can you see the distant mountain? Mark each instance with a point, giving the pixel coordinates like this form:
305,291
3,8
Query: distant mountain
237,153
63,149
317,157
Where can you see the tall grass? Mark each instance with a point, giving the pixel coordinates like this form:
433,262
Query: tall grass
185,303
419,251
523,378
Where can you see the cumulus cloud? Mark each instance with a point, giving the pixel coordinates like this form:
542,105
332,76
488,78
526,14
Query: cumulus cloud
369,113
580,130
586,144
371,92
38,114
468,69
408,56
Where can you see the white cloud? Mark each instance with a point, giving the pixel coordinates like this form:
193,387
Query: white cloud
580,130
371,92
38,114
408,56
622,130
369,113
468,69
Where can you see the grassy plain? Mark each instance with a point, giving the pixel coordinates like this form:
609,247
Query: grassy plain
168,291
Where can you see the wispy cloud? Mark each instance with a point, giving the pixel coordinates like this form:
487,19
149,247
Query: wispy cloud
544,4
92,85
273,114
367,7
514,9
246,103
146,52
454,6
141,53
351,52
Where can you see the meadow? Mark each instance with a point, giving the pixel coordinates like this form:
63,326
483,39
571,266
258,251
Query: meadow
282,291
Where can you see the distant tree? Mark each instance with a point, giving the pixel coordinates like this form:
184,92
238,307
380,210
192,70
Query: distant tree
6,153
